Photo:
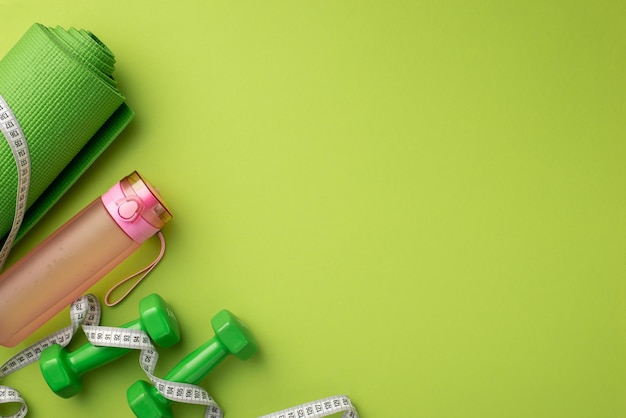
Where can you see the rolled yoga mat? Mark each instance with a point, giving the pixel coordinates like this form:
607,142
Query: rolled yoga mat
60,87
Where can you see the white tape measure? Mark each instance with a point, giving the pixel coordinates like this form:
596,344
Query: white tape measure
84,310
12,131
194,394
10,395
319,408
139,340
188,393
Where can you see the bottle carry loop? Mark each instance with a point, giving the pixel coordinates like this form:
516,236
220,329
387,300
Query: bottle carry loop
141,273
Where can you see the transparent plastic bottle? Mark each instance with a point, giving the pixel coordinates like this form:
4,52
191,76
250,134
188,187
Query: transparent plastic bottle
78,254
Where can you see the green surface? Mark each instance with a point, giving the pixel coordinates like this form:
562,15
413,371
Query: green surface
418,204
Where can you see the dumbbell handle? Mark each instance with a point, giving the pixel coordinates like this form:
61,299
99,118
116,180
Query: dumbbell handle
199,363
88,356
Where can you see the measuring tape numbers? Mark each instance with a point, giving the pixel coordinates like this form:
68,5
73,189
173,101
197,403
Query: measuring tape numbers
83,311
10,395
193,394
148,358
14,135
319,408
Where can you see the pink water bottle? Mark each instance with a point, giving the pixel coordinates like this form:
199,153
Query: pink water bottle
78,254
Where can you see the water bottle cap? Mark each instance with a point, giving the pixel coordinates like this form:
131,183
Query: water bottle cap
137,207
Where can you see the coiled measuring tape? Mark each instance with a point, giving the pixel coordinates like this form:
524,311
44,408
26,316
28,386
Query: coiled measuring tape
83,311
14,135
148,358
194,394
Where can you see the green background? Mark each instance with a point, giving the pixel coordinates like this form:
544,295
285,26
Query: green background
420,204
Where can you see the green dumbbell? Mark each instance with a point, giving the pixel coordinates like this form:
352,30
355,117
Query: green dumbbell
62,370
231,337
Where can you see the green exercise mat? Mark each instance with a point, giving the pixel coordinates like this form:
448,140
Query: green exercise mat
59,85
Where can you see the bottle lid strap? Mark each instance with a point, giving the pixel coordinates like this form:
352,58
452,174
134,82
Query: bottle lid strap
141,274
